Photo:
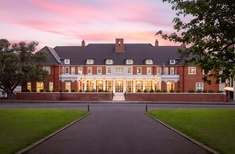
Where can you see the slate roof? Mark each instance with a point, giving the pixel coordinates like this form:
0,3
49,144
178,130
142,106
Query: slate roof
100,52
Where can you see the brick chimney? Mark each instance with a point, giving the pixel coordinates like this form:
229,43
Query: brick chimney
156,43
119,47
83,43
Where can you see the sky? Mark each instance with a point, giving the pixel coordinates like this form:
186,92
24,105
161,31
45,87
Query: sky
68,22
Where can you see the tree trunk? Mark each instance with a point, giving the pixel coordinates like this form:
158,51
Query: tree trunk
9,94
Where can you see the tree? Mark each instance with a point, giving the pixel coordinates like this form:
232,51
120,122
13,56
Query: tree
19,63
210,34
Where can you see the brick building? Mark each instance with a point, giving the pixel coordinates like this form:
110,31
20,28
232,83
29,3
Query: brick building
119,68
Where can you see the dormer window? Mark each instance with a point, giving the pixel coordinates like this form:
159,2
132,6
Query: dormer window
129,61
90,61
109,61
172,61
67,61
148,61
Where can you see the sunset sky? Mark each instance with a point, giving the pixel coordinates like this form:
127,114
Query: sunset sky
67,22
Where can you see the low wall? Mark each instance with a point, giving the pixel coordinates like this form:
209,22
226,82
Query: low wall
183,97
56,96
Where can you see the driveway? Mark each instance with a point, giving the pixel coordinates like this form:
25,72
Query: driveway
116,129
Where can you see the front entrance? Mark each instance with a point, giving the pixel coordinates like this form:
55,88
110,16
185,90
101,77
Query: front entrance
119,86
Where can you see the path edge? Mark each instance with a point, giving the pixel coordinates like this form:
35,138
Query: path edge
22,151
185,136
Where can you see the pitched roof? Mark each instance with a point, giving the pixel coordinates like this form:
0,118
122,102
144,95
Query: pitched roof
100,52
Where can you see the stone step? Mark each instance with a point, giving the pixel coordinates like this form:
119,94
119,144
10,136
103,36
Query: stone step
119,97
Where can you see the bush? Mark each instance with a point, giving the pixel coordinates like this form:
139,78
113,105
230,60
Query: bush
158,91
66,90
41,90
204,91
178,91
139,91
145,90
172,91
100,90
151,90
87,90
48,91
53,90
73,90
199,91
80,90
219,91
93,90
164,90
191,91
210,91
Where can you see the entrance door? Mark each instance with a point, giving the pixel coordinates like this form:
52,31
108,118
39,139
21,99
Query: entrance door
119,86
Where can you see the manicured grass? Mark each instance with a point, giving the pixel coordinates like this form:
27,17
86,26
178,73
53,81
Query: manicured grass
22,127
212,127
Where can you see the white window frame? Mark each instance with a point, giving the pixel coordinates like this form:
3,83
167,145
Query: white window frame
109,61
129,70
129,61
47,68
166,71
199,86
119,70
139,70
172,61
89,70
90,61
149,70
109,70
172,70
192,70
67,61
67,71
99,70
80,71
72,70
148,61
159,70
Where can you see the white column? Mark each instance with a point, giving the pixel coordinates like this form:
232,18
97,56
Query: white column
134,81
143,85
104,85
153,87
113,86
85,85
94,85
124,86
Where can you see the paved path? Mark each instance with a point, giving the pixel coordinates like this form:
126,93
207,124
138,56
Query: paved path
116,129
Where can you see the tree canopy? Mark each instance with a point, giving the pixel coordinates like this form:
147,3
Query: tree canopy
210,34
20,63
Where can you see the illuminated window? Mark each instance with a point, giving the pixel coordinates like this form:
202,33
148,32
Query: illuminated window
159,70
51,86
99,70
109,61
40,86
72,70
172,71
149,70
67,61
129,61
29,86
89,70
166,70
119,69
90,61
139,70
191,70
129,70
68,86
109,70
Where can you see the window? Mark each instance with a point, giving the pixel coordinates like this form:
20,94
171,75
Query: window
172,71
149,70
119,69
109,61
199,86
90,61
192,70
40,86
129,70
47,68
166,70
109,70
129,61
29,86
67,61
99,70
66,70
51,86
139,70
203,72
72,70
68,86
172,61
89,70
80,70
149,61
159,70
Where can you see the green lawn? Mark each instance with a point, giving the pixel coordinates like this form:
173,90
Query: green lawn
22,127
212,127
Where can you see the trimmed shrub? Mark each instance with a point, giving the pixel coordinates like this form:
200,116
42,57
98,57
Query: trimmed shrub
210,91
171,91
151,90
178,91
73,90
199,91
158,91
164,90
139,91
145,90
41,90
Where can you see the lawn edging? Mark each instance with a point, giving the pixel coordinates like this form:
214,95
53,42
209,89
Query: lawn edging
185,136
49,136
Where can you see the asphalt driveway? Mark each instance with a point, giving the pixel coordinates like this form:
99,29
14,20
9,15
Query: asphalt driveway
115,129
